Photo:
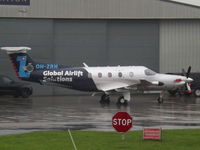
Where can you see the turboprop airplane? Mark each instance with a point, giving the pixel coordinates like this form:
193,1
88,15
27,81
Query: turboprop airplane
106,80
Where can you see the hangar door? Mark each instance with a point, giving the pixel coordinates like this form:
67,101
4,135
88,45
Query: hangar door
133,42
107,42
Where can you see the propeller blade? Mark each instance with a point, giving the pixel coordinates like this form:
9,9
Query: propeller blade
188,71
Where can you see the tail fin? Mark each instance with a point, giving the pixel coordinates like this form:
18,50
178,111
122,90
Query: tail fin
22,62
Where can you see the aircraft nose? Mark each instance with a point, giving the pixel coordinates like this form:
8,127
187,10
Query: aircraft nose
189,80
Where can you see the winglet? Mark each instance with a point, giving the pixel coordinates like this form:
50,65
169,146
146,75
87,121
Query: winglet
85,65
16,49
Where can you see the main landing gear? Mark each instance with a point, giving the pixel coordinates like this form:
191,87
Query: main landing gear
122,100
105,99
160,99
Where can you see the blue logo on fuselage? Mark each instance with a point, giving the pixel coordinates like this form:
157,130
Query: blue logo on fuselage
22,63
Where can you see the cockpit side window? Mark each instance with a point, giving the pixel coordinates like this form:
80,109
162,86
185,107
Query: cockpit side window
149,72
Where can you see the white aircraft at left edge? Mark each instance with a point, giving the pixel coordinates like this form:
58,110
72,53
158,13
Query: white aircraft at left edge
106,80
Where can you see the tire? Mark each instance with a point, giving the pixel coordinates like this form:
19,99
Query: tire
105,99
26,92
197,92
122,101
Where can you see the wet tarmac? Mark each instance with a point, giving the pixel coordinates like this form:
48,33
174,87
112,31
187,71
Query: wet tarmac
18,115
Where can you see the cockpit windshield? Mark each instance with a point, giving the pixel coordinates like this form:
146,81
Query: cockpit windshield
149,72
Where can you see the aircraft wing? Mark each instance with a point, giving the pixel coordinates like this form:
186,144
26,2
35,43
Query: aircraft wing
145,83
127,85
113,86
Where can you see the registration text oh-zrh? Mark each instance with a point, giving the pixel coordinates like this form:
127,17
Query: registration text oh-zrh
14,2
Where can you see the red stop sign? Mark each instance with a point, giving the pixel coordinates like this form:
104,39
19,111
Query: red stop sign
122,122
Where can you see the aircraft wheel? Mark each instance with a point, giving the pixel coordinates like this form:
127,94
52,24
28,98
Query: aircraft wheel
105,99
197,92
160,100
122,101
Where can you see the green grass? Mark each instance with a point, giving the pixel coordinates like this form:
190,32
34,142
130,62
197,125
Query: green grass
91,140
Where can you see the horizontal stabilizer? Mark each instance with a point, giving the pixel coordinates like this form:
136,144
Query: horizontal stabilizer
11,50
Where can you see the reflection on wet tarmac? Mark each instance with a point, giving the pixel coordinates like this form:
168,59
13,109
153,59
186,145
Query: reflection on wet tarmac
85,112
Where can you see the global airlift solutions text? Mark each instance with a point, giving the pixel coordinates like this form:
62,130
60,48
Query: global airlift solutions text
61,76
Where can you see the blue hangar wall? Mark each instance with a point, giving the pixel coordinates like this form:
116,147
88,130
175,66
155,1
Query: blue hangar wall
72,42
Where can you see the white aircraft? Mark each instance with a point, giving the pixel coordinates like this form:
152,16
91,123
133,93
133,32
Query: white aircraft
106,80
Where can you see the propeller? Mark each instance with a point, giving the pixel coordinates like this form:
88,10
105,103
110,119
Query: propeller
187,74
188,71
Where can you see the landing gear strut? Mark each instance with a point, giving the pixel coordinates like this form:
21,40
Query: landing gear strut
105,99
123,100
160,99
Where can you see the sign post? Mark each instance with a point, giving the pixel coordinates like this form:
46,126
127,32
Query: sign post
74,145
122,122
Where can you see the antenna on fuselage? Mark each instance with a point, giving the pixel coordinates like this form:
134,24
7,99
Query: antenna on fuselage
85,65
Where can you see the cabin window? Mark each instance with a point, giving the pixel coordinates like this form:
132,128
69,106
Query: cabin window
99,74
131,74
120,74
109,74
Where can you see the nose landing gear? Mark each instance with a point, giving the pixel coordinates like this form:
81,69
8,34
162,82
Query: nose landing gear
160,99
122,100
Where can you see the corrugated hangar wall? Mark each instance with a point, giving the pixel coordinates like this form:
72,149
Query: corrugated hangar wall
71,42
179,45
100,9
